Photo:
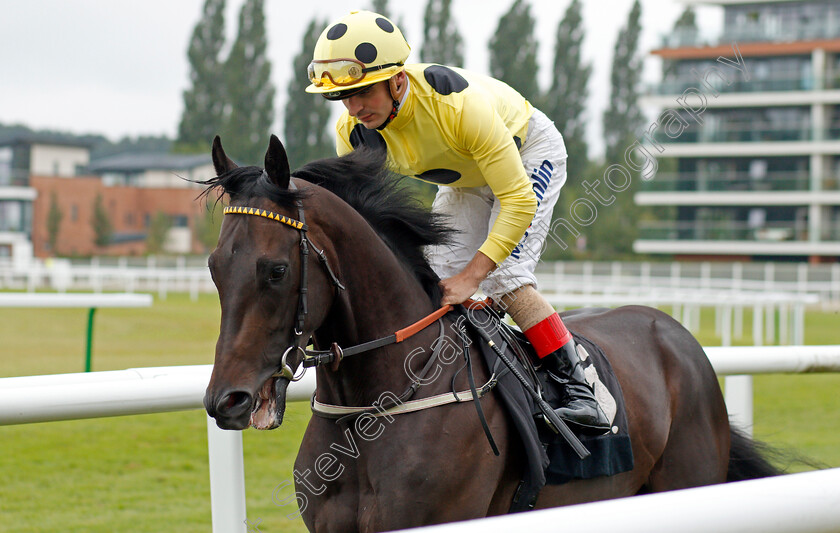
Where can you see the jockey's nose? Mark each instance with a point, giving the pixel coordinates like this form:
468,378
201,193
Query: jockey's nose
353,105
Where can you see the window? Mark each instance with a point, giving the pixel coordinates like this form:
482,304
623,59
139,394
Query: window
5,166
11,216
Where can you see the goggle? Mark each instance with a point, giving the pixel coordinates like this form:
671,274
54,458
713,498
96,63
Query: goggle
341,72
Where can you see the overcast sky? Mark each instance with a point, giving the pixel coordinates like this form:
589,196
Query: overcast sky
119,68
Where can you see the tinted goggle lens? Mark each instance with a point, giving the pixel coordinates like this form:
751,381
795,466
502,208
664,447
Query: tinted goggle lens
340,72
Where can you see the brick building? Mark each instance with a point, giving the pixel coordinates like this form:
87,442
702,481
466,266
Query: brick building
37,168
130,211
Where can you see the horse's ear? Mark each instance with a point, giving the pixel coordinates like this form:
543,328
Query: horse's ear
221,161
277,163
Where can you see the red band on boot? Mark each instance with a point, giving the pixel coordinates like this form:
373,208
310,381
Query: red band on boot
548,336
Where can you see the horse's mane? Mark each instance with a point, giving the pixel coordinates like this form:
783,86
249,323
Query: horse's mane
361,179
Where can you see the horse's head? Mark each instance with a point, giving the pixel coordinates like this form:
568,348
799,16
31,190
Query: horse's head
270,304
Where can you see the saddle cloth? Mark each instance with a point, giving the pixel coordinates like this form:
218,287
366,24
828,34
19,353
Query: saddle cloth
549,459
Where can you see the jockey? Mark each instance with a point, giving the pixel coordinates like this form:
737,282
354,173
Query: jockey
499,164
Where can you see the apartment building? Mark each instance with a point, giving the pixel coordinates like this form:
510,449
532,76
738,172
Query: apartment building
757,176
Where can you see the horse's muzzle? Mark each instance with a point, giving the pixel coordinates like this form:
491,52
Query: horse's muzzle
239,408
231,409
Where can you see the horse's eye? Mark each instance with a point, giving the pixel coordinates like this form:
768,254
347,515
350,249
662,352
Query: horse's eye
277,273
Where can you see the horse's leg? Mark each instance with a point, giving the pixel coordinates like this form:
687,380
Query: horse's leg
697,451
327,496
629,337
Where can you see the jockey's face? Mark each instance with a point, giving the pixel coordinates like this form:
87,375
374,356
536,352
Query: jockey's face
372,106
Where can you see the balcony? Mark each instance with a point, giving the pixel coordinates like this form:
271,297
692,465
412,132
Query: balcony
748,133
754,85
733,181
725,231
754,33
14,177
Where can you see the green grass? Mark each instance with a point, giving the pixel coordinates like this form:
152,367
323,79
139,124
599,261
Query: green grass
149,473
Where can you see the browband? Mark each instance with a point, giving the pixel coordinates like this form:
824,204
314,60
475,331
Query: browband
297,224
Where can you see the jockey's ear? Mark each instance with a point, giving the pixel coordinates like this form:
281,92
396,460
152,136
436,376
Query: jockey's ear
277,163
221,162
396,84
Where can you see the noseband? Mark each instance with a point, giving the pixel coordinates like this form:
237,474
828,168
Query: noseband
305,244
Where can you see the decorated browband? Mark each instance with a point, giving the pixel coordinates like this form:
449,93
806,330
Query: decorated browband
297,224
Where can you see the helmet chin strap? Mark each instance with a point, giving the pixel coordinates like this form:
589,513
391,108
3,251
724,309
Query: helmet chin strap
395,103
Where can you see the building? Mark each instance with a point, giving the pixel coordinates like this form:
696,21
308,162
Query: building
751,168
154,170
20,157
39,173
130,210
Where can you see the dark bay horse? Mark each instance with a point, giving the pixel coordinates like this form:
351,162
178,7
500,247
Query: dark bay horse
364,277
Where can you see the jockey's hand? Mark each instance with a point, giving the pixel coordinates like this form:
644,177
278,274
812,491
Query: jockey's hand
460,287
457,289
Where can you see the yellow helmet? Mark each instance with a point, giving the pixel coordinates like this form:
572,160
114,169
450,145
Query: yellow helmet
360,49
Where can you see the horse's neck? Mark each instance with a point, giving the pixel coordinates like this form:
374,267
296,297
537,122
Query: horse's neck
381,297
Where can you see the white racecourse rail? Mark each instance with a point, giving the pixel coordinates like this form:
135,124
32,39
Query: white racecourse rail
798,503
152,390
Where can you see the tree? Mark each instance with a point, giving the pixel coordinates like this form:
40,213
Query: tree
565,104
513,51
685,33
612,236
623,118
54,216
307,130
381,7
204,101
101,223
442,42
249,89
566,98
207,227
158,230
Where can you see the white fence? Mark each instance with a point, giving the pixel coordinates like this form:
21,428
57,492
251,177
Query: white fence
588,277
117,274
181,274
152,390
798,503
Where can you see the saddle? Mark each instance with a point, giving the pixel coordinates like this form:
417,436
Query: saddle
549,458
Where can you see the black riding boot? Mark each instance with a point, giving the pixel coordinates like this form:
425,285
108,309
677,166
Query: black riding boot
579,406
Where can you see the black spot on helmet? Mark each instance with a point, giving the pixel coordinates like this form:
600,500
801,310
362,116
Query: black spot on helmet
366,53
337,31
385,24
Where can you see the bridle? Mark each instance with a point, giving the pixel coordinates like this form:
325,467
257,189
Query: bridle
335,354
303,304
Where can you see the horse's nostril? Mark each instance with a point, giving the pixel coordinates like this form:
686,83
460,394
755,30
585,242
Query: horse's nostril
235,403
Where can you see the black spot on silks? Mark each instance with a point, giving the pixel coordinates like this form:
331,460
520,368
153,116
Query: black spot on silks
441,176
445,80
361,136
518,142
